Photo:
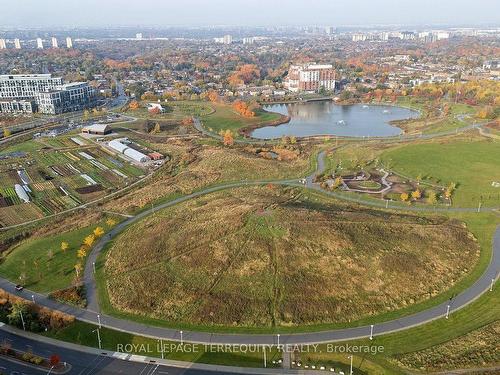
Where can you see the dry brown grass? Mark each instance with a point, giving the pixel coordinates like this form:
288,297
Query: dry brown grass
478,348
194,166
268,256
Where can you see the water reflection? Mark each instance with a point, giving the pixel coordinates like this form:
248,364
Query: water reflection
327,118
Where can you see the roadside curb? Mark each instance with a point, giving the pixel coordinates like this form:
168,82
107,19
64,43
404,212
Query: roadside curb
147,360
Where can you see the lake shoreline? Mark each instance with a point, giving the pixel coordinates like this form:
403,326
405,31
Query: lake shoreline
358,117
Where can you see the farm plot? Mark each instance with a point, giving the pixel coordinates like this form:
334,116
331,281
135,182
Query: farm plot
59,180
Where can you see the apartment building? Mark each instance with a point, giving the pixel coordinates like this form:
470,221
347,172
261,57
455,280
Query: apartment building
310,78
47,94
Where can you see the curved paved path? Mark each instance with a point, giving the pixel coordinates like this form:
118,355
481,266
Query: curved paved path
90,314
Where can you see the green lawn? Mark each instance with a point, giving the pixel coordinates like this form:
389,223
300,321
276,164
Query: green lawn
226,118
472,165
175,110
83,333
479,313
45,266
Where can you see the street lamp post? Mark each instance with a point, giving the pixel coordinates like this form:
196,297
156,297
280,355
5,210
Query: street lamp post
161,349
98,337
371,332
182,339
33,298
99,321
492,283
93,266
265,361
278,336
22,320
447,311
350,372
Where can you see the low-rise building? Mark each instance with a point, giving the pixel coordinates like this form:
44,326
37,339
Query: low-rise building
97,129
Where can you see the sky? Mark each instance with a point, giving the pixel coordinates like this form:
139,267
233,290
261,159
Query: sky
102,13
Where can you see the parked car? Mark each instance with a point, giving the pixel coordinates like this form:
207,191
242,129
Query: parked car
19,287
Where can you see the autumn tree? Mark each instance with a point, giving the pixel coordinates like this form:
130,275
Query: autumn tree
148,95
449,190
98,232
7,133
64,246
156,129
89,240
431,197
227,137
244,75
134,105
339,181
110,222
213,96
243,109
404,197
78,268
416,194
81,253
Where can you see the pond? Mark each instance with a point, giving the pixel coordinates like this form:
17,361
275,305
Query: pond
328,118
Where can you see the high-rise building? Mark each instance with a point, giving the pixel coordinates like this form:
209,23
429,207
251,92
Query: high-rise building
39,43
359,37
69,42
17,43
54,42
49,94
3,45
384,36
226,39
329,30
248,40
311,78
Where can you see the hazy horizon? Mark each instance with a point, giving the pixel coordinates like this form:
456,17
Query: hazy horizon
95,13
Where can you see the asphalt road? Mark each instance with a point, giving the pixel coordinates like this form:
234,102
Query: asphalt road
84,363
439,311
90,314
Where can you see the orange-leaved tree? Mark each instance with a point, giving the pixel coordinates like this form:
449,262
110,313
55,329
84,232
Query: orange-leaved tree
243,109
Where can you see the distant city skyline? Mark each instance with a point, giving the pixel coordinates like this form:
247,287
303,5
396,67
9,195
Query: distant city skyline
102,13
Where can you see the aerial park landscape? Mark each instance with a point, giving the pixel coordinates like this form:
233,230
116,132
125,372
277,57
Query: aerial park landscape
246,221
